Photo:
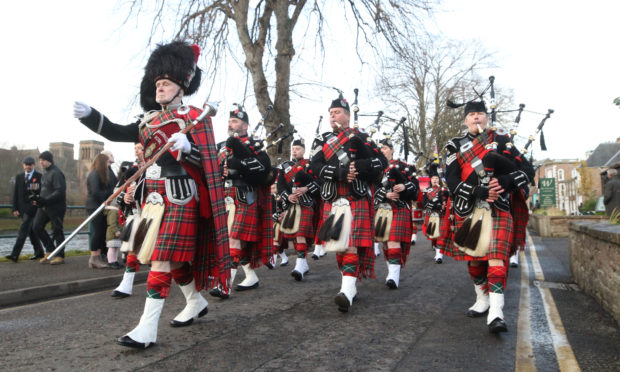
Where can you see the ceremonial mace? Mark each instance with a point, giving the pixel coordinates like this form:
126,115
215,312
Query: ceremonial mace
209,109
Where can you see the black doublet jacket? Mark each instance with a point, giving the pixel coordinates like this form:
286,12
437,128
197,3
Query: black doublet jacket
249,169
398,172
287,179
333,171
465,191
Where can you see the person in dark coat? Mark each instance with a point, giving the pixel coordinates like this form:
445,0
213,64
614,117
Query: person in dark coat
612,192
52,203
26,184
99,186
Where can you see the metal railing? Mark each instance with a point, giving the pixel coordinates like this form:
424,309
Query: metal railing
89,232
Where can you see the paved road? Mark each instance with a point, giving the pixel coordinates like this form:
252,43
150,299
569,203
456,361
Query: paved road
286,325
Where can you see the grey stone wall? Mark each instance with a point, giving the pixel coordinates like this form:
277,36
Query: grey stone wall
556,226
595,262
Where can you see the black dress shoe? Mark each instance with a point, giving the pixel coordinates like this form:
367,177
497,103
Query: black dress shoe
119,294
9,257
115,265
269,265
475,314
297,275
216,292
498,325
37,257
391,284
439,260
129,342
343,302
285,263
315,257
176,323
240,287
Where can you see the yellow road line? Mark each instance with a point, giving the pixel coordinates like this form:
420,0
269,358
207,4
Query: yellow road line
525,360
563,350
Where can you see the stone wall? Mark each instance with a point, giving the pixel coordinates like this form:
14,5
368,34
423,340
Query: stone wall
557,226
595,262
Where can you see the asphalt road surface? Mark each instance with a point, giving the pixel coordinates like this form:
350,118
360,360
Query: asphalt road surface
295,326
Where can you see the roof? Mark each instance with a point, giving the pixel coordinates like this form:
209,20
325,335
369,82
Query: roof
603,153
613,160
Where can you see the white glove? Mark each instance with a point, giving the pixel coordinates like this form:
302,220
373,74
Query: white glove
180,143
81,110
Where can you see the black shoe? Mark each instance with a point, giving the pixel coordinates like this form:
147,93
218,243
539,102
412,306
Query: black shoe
216,292
439,260
269,265
176,323
285,263
115,265
129,342
315,257
514,264
391,284
498,325
475,314
297,275
240,288
343,302
36,257
119,294
9,257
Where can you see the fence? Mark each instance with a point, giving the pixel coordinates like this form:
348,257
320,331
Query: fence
69,208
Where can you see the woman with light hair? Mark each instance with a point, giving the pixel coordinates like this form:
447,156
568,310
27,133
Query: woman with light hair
99,187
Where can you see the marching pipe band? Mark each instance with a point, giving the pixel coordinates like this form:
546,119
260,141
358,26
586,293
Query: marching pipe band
348,195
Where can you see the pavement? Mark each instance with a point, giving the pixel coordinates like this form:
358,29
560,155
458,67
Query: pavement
31,281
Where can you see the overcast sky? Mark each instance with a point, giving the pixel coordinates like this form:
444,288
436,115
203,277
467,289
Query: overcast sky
561,55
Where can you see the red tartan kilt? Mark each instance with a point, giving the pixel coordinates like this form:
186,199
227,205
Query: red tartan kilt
306,224
501,238
401,228
361,229
520,217
179,227
245,223
444,228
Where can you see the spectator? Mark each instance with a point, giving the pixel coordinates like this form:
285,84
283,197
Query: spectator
52,203
139,151
612,192
99,187
108,153
113,216
26,184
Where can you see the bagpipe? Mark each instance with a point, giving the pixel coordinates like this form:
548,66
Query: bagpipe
435,201
336,228
474,235
237,154
395,174
296,174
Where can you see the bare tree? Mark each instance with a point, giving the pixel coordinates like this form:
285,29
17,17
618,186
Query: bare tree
420,79
267,26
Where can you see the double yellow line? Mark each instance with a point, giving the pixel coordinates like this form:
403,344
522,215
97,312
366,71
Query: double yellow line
525,359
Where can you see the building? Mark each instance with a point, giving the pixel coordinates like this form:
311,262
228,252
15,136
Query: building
88,151
568,192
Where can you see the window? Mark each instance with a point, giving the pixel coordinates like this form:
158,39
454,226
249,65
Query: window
560,174
549,173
